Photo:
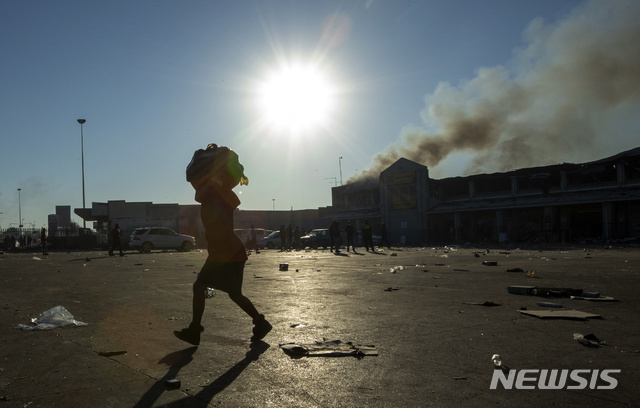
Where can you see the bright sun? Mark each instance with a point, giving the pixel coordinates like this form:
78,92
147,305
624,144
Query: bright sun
295,99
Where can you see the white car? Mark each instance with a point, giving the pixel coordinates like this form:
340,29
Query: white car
146,239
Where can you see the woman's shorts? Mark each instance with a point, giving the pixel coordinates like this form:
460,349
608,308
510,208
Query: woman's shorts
224,276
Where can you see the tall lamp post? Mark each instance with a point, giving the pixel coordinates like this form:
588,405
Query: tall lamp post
340,163
81,122
19,212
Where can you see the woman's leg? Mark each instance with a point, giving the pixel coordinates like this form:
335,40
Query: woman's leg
198,302
245,304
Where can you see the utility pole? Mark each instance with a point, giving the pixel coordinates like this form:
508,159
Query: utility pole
82,122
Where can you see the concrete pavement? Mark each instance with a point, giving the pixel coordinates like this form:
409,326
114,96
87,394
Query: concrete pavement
434,338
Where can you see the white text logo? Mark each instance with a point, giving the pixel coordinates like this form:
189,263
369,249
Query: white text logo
555,379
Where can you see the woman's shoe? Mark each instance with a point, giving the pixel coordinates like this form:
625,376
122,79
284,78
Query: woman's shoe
191,334
261,328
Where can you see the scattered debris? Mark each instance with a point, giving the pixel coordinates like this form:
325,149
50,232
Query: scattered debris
594,299
515,270
390,289
284,266
544,292
52,318
297,326
549,304
490,263
173,383
561,314
531,274
328,348
111,353
35,258
590,340
486,304
496,360
461,270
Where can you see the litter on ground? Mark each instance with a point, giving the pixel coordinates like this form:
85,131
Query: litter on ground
589,340
52,318
328,348
560,314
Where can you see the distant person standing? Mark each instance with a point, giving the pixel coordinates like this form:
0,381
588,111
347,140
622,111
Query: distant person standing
115,240
283,238
350,230
43,240
334,233
253,243
367,236
297,234
289,237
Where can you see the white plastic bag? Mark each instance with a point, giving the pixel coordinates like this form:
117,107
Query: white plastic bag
52,318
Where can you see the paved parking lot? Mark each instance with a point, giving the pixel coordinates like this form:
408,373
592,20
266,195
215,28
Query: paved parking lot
425,310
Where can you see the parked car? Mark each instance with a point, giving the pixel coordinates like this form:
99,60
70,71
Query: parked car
146,239
245,235
316,238
271,241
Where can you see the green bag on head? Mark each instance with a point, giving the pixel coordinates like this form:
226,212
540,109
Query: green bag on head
215,160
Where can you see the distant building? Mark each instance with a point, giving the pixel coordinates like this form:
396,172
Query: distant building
185,219
567,202
63,215
595,201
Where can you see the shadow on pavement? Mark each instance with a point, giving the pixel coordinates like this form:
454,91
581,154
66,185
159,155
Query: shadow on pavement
180,359
175,361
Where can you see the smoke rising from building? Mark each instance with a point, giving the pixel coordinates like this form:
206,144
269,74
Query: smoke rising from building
570,93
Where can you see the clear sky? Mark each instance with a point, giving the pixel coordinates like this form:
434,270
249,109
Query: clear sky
303,91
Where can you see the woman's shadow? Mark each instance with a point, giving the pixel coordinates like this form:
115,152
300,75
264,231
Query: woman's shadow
179,359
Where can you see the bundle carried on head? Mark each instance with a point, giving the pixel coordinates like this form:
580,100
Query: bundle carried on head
215,161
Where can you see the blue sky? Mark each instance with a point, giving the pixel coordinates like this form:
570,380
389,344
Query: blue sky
156,80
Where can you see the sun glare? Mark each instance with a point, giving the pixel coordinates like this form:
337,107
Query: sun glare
295,99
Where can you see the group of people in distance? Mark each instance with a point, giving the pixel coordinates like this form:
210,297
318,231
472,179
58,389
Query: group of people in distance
335,234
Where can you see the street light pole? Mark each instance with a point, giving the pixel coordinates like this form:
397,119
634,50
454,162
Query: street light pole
340,162
81,122
19,213
274,204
